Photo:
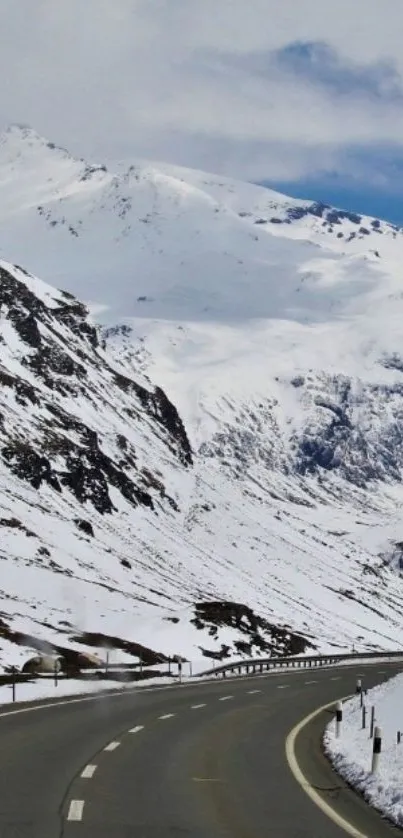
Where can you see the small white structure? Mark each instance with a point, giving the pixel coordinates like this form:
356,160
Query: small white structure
43,664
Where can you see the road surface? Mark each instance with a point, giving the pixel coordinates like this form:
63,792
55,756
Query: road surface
205,760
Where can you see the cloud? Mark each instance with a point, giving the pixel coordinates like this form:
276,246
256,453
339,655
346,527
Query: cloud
320,64
256,89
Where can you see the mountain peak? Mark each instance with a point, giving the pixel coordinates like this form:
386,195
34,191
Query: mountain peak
179,244
21,136
228,431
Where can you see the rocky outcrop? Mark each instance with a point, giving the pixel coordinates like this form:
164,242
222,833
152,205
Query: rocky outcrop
64,377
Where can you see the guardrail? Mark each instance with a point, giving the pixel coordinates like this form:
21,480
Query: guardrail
251,666
254,666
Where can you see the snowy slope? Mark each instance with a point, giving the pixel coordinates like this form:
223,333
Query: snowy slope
273,327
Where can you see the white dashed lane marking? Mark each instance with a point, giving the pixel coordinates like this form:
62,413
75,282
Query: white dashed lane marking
282,686
336,678
75,812
112,746
225,697
167,716
136,729
311,682
252,692
88,772
197,706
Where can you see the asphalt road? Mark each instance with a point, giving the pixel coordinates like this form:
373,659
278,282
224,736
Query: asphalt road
200,761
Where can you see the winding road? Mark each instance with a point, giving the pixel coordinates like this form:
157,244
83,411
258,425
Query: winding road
204,760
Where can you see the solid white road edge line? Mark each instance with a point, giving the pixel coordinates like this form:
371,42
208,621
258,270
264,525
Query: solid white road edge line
136,729
302,780
88,772
112,746
75,812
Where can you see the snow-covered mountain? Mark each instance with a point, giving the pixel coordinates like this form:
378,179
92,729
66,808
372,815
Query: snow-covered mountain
234,433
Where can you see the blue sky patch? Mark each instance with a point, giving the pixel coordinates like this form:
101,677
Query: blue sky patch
373,187
318,63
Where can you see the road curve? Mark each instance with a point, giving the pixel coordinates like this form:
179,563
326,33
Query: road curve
199,761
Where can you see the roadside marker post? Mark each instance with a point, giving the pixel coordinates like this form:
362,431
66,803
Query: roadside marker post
371,731
14,671
376,750
339,718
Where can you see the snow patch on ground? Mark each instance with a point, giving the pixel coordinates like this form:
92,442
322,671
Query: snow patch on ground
351,754
44,689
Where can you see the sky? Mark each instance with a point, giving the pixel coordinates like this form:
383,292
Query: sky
304,95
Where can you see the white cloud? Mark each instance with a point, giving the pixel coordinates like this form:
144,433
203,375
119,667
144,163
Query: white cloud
177,80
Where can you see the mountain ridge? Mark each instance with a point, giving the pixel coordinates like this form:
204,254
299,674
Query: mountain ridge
264,405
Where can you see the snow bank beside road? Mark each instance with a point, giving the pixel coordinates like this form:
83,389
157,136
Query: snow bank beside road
36,690
351,754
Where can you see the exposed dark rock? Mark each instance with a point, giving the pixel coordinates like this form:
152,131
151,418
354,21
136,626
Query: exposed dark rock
158,406
27,464
338,439
105,641
62,353
15,524
24,392
125,563
261,636
320,210
84,526
298,381
393,362
89,171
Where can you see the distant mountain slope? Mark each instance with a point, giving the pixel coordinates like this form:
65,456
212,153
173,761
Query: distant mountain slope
155,241
233,434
